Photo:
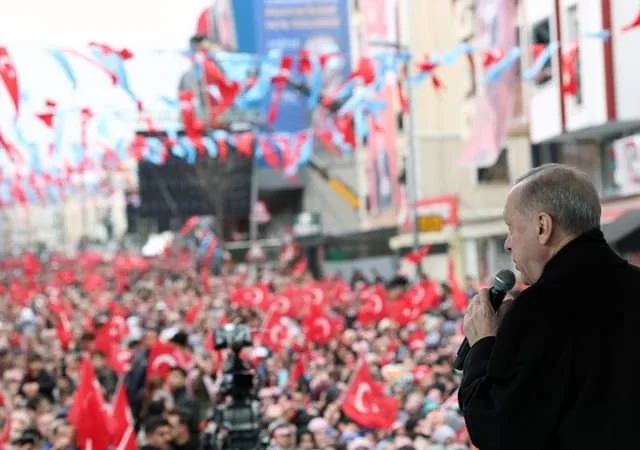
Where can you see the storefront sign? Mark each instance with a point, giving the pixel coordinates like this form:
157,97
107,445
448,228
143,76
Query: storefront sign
445,207
627,164
307,224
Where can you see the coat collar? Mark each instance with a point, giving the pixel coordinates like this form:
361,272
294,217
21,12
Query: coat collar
585,252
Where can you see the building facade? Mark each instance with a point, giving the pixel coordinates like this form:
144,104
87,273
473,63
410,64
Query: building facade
85,215
447,121
596,124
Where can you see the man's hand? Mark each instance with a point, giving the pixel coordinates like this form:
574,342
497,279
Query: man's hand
480,320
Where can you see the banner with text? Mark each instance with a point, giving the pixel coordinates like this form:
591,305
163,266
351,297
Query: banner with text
319,27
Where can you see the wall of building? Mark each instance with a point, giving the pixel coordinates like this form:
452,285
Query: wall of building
443,123
588,108
61,226
544,102
625,61
589,113
337,215
444,118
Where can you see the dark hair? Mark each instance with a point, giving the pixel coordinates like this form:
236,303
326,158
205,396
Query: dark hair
156,407
181,339
34,357
153,423
399,281
183,415
306,433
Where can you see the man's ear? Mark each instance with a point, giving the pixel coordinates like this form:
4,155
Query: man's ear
545,228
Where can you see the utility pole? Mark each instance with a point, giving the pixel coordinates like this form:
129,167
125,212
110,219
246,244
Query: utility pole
411,165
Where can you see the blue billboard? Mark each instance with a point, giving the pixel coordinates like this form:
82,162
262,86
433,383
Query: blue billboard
229,24
317,26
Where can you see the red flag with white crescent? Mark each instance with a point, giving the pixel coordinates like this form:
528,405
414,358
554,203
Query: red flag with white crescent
366,403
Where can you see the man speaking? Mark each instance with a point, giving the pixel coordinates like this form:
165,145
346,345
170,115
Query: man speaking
559,372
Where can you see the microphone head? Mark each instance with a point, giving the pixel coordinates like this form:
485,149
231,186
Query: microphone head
504,281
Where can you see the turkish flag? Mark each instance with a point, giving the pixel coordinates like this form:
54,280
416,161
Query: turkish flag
63,332
163,356
297,371
416,256
373,308
569,64
123,434
458,296
404,311
366,403
424,295
88,412
318,327
275,331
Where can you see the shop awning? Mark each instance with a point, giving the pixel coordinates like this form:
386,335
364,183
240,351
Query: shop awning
622,226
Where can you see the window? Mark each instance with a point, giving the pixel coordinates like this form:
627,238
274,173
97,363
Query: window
400,120
607,155
545,154
573,35
541,38
496,174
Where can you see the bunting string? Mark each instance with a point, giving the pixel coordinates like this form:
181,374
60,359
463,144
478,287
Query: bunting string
46,142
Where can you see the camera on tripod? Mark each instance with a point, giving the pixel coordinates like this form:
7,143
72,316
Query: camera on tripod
234,337
237,375
241,415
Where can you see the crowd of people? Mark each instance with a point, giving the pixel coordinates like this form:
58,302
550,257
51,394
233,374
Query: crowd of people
102,352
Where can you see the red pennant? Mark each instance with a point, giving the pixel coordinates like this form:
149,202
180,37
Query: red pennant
245,143
344,124
325,57
326,138
12,151
304,65
632,25
223,149
85,118
364,70
9,77
427,65
46,118
491,57
270,154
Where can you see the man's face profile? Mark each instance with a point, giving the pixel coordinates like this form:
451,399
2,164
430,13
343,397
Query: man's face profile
523,239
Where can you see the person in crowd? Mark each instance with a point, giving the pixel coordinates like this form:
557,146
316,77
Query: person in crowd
182,435
157,434
309,340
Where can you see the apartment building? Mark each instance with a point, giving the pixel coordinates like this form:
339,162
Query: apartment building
60,226
595,125
447,121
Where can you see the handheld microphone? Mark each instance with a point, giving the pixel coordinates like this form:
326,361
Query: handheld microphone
503,282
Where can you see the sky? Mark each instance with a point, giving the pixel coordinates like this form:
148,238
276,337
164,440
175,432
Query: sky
146,27
141,24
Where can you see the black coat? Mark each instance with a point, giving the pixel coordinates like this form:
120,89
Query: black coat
560,374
